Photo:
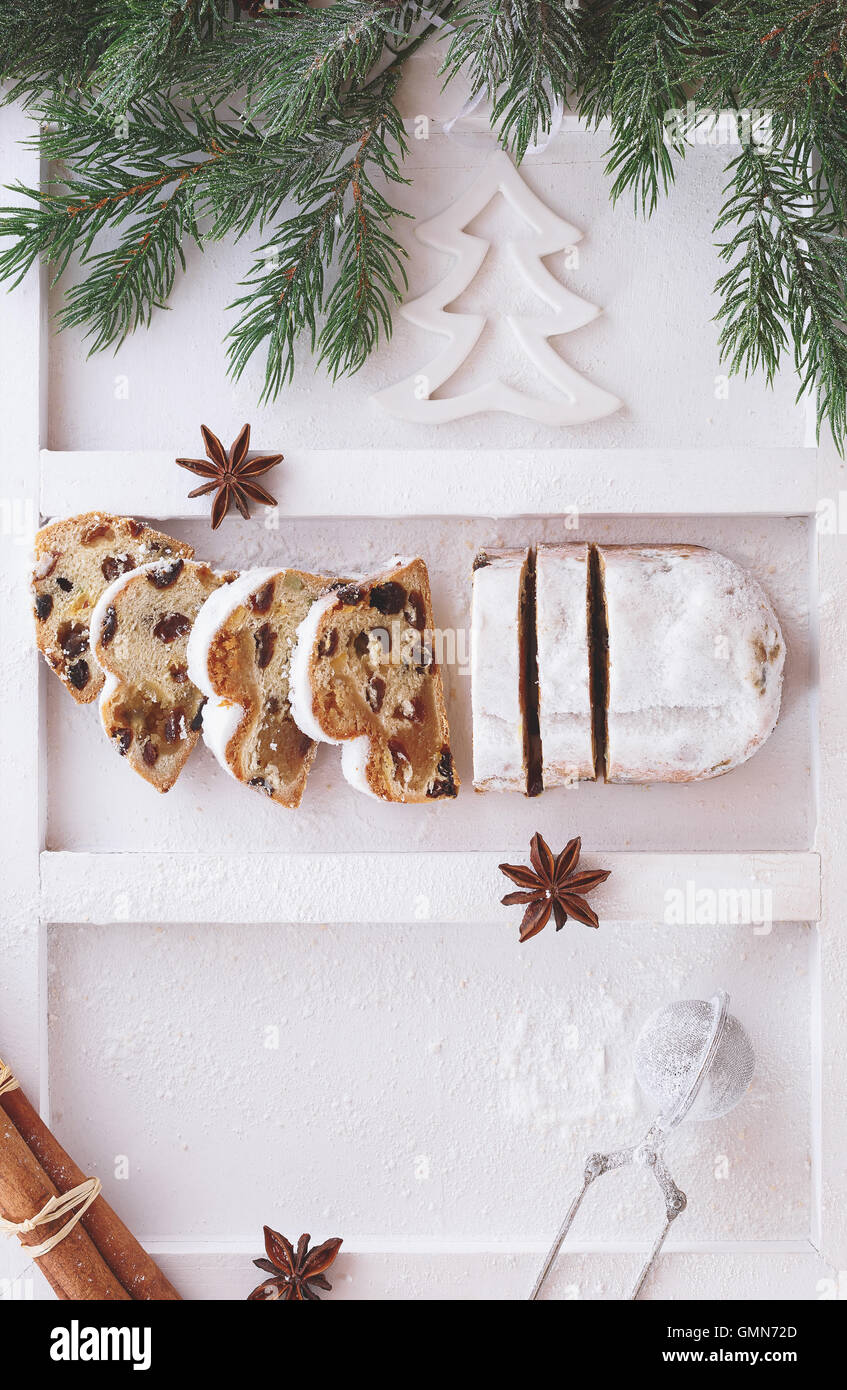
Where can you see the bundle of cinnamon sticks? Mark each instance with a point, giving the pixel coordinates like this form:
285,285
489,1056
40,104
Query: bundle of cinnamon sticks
98,1257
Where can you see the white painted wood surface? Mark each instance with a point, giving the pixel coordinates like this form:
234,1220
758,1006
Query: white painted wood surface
22,813
460,483
680,889
183,922
509,1274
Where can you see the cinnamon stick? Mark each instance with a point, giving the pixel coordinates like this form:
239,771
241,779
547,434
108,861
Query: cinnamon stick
74,1267
126,1258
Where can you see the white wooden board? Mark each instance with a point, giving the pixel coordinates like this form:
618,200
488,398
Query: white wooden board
147,946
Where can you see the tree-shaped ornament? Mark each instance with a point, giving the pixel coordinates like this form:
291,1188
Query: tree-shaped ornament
580,401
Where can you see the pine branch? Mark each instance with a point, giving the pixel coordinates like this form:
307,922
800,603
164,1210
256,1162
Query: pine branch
778,54
124,285
145,43
524,54
314,154
46,46
359,306
647,51
118,173
163,174
787,281
341,217
297,66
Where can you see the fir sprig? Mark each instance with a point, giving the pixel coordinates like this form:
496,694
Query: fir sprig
643,55
163,176
146,43
129,94
296,66
119,173
524,54
341,214
46,47
787,281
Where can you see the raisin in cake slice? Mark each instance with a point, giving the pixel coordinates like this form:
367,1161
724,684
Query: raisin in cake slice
695,663
498,671
150,708
563,625
75,561
364,675
239,654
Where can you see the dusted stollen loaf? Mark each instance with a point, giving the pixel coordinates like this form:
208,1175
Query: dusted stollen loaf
563,634
695,663
654,664
498,693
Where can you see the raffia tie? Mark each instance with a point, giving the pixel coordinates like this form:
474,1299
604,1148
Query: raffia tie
8,1081
78,1200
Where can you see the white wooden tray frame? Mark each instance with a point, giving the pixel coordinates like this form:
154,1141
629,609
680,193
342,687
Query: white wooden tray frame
43,887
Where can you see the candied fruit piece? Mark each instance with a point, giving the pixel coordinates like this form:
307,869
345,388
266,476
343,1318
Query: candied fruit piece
265,640
108,627
170,626
163,576
388,598
261,601
78,675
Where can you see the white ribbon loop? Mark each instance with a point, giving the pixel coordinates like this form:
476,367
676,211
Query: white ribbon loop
538,146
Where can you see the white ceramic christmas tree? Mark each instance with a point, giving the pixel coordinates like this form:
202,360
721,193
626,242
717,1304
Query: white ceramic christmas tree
580,400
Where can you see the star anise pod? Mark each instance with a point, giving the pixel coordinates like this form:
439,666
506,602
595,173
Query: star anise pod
551,888
233,476
294,1271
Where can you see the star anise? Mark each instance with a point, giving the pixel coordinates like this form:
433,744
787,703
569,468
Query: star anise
551,888
233,476
294,1271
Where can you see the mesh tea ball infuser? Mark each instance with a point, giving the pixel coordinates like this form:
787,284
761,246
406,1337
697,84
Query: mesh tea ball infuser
695,1061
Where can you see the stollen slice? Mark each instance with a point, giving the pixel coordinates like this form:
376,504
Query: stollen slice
150,708
239,655
364,675
498,670
76,559
564,637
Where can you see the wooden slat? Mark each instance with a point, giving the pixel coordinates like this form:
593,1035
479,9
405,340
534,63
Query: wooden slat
829,995
771,1271
740,889
450,482
22,1000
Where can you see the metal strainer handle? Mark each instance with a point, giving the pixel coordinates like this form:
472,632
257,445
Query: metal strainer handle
649,1153
598,1164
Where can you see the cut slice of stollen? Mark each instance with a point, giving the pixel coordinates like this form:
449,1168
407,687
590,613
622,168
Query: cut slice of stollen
76,558
564,639
498,670
150,708
239,656
364,675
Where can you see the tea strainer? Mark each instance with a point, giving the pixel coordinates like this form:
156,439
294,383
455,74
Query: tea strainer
694,1059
